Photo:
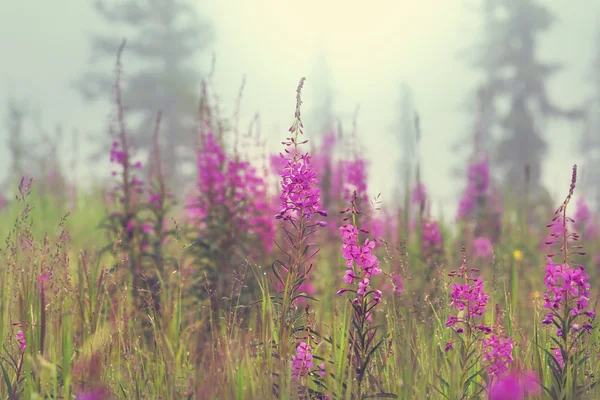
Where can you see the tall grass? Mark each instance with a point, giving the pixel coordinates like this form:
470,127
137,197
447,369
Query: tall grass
230,321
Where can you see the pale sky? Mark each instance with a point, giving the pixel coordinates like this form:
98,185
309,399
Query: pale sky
371,49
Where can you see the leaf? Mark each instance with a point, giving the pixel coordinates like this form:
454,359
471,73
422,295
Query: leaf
365,363
381,396
446,384
470,379
439,391
585,389
6,379
303,295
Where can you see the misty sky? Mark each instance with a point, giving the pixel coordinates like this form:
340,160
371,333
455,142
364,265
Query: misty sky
371,49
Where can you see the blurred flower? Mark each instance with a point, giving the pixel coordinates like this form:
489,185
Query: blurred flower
419,194
432,241
478,182
584,221
322,370
483,247
93,394
514,386
355,180
518,255
558,356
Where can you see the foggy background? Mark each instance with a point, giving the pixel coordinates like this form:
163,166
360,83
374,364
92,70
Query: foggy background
365,53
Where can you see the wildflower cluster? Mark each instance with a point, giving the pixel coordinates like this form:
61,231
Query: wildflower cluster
302,362
497,354
468,297
299,201
361,265
300,195
568,289
497,350
232,189
567,297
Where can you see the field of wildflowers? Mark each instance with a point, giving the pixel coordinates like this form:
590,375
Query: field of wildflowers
308,288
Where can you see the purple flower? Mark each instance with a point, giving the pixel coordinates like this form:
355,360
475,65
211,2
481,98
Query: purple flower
557,353
117,156
432,241
548,319
514,386
478,183
469,297
419,194
21,340
361,263
498,354
235,186
300,194
322,370
483,247
355,180
302,361
565,285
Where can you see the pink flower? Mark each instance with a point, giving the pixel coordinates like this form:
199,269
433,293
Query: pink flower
478,175
302,361
93,394
146,228
483,247
300,194
432,241
355,180
130,225
498,354
419,194
21,340
514,386
557,353
470,297
563,284
227,184
117,156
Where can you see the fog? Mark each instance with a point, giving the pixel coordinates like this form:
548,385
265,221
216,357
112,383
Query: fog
371,49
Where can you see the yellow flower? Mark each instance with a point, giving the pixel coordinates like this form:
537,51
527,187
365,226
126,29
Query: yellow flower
518,255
